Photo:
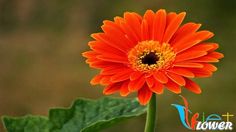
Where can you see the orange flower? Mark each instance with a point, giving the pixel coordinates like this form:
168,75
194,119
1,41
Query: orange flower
146,53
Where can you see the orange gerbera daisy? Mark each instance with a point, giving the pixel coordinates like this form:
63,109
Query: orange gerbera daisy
146,53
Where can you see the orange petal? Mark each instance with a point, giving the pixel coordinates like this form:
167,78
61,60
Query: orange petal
135,75
112,24
202,47
110,89
136,84
124,91
170,17
182,71
91,60
144,95
114,69
121,76
192,86
176,78
188,64
113,58
137,16
157,88
150,81
205,59
159,24
215,46
89,54
144,30
149,17
101,48
106,80
106,39
173,87
173,26
96,80
102,64
133,21
204,35
209,67
161,77
185,30
117,36
112,54
216,55
92,43
130,33
201,73
192,40
187,55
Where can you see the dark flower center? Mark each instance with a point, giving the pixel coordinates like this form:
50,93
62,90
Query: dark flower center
150,58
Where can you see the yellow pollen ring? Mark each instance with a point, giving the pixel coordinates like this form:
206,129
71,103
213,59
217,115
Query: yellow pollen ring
164,53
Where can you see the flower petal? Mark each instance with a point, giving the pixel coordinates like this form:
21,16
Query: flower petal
135,75
173,26
161,77
144,95
117,36
170,17
89,54
187,55
121,76
129,33
202,47
101,48
205,59
173,87
201,73
157,88
216,55
136,84
144,30
176,78
192,40
113,58
134,23
159,24
96,80
215,46
188,64
184,31
192,86
124,91
150,81
182,71
110,89
113,69
106,80
106,39
102,64
210,67
149,17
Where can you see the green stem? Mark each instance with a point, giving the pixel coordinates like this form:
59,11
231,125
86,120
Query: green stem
151,115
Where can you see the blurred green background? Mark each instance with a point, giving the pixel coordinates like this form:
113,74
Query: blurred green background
41,66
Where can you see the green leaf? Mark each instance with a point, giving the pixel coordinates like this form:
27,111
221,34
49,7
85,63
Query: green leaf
83,116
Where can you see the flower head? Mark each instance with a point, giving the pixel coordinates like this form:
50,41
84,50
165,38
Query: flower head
146,53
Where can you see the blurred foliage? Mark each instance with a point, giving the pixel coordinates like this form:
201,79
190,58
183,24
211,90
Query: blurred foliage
41,66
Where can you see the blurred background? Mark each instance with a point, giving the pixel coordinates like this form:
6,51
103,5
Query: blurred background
41,66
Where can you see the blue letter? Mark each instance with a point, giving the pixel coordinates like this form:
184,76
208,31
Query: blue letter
213,117
181,111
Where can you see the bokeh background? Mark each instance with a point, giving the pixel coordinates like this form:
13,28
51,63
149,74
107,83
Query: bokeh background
41,66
